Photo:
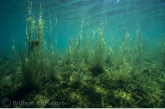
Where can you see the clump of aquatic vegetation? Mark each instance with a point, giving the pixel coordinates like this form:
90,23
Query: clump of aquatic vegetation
91,73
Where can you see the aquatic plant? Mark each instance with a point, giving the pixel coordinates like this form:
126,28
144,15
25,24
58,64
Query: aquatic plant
163,56
69,57
79,78
86,50
98,58
109,55
120,57
92,73
76,78
123,74
77,50
138,51
86,45
33,57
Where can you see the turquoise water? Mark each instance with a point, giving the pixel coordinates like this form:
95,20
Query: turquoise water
149,15
109,53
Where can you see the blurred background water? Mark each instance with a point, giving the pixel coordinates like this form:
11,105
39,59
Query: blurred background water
149,15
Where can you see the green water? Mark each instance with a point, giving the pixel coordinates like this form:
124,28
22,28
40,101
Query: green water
99,57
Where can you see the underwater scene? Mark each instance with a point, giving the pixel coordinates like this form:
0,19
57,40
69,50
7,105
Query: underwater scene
82,53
